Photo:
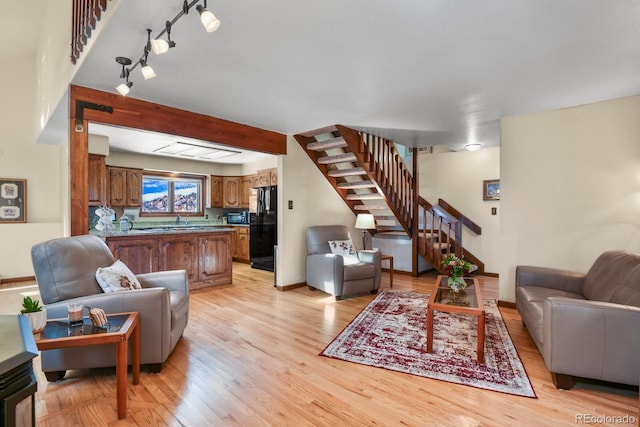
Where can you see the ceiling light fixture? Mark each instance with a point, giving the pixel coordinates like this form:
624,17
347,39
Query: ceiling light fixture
208,19
475,146
160,46
124,88
145,68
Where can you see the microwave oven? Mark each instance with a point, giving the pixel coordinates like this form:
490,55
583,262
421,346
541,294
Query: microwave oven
237,218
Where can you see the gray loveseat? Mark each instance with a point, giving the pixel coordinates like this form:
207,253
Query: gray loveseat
65,271
585,325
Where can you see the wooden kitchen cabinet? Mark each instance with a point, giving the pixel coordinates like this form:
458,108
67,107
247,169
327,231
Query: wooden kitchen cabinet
217,192
97,180
125,187
214,259
234,242
246,183
231,191
267,177
243,244
206,256
139,254
179,253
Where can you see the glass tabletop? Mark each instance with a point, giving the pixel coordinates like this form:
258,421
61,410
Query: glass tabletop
62,328
463,298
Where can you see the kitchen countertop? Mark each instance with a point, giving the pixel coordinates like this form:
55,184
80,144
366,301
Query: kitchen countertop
163,230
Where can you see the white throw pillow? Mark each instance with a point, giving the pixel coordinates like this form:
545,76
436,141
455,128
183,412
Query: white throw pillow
117,278
346,249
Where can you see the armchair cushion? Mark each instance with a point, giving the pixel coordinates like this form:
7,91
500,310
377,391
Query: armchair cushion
116,278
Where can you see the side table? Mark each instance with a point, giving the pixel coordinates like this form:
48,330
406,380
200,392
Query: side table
124,327
390,259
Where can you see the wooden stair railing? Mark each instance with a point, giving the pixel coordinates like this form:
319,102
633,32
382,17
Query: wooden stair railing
440,233
86,13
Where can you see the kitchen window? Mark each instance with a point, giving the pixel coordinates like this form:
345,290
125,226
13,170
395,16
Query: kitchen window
172,194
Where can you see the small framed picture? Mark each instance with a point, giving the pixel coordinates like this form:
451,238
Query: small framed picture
491,189
13,200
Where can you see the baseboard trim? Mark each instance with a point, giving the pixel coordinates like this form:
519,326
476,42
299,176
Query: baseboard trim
15,280
290,287
506,304
490,274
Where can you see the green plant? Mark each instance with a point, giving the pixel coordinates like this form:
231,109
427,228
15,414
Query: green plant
30,305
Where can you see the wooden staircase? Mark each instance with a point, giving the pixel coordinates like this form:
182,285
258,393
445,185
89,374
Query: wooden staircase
369,174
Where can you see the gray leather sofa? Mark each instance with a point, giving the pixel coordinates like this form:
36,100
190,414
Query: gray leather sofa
327,272
585,325
65,271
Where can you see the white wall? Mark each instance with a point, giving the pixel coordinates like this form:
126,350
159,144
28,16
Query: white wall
315,202
570,187
456,177
21,157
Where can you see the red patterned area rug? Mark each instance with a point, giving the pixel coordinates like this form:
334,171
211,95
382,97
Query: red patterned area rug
390,333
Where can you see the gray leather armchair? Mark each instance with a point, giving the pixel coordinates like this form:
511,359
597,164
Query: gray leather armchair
65,271
327,272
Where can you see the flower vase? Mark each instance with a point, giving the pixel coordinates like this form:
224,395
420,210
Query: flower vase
456,283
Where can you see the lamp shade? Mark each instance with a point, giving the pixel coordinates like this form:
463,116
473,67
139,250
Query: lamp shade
159,46
365,222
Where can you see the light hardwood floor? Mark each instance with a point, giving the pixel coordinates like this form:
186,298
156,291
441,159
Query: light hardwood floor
249,357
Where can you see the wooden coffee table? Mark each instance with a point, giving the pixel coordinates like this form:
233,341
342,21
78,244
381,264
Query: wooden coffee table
123,327
444,299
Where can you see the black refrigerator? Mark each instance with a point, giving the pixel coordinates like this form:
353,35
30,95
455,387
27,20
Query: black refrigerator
263,229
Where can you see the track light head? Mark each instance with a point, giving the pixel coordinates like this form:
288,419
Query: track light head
208,19
160,46
124,88
147,71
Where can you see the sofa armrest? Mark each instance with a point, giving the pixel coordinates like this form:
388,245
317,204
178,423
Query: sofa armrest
591,339
564,280
173,280
324,270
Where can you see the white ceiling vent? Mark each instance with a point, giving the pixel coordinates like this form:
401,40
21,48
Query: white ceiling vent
194,152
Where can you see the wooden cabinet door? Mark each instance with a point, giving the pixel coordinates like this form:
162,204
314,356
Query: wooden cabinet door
178,253
117,186
234,243
97,180
231,191
215,257
273,176
134,187
264,178
140,255
246,182
217,192
243,244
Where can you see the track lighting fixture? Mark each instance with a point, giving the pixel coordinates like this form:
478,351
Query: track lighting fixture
160,46
208,19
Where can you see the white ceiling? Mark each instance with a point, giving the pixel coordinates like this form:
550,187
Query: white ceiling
421,72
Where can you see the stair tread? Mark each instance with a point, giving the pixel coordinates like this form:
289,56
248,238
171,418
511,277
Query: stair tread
356,184
337,173
338,158
370,207
327,144
370,196
328,129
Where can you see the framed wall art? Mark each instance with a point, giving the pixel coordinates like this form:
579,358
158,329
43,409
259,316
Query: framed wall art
13,200
491,189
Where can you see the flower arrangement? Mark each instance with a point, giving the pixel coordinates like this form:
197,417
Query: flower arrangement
457,268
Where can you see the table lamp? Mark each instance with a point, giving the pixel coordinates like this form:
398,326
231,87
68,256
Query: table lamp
365,222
